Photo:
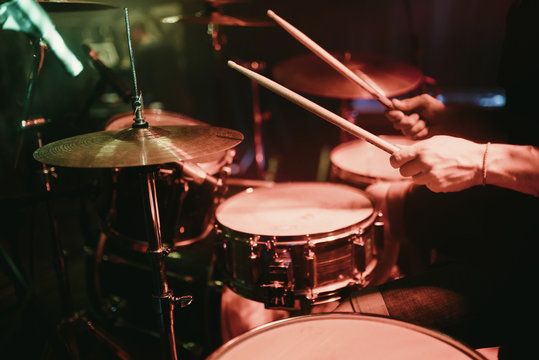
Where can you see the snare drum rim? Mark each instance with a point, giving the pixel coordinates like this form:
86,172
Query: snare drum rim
233,343
294,240
346,177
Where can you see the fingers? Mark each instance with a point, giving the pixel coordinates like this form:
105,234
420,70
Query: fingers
415,127
412,104
410,125
403,156
421,134
412,168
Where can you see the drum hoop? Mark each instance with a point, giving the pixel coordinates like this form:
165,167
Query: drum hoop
299,240
337,173
223,349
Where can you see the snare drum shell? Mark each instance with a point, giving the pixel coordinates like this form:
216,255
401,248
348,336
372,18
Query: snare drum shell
343,336
313,265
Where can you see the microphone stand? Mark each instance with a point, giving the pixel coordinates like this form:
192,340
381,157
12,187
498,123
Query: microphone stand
70,317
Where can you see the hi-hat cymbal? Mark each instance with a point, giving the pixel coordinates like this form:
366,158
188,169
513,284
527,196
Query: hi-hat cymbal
138,147
216,18
59,5
311,75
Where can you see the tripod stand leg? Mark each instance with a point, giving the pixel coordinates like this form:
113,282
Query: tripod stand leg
101,334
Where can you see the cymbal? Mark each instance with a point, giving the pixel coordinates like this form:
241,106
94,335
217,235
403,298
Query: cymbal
311,75
60,6
138,147
216,18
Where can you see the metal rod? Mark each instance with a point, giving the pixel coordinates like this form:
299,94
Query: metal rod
38,54
162,296
137,97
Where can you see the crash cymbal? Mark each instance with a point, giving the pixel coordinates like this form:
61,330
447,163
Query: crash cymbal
138,147
59,6
216,18
311,75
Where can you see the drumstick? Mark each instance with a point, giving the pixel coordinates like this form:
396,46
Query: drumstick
316,109
365,83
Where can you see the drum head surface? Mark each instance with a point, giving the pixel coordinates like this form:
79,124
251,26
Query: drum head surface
295,209
362,158
343,336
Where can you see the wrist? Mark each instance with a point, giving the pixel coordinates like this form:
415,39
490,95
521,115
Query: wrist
484,165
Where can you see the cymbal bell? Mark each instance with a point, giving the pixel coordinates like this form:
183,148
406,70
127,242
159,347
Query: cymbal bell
216,18
311,75
138,146
61,6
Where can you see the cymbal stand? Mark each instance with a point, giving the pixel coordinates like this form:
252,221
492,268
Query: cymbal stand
163,299
347,112
258,118
218,42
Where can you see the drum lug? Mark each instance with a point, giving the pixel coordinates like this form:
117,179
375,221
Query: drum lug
359,251
310,262
253,246
378,227
278,277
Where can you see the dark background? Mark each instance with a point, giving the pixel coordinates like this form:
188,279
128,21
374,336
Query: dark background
454,43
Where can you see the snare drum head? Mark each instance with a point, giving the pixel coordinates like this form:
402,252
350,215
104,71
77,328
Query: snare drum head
359,157
343,336
295,209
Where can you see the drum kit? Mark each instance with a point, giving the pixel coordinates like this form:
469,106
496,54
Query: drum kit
289,246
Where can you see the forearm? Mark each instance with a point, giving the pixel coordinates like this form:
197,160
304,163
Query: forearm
514,167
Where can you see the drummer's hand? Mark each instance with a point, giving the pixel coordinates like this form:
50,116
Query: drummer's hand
412,116
442,163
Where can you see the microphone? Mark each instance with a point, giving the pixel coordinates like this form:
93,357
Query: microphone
29,17
196,174
108,75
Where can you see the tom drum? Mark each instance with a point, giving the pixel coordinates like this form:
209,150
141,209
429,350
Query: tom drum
343,336
186,211
361,164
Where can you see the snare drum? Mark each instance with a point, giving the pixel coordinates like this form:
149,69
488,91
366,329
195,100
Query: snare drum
186,212
343,336
361,164
297,243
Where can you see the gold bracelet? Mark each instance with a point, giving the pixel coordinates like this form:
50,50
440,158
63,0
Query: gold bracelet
484,167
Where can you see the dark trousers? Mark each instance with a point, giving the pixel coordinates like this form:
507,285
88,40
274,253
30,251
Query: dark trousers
481,291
